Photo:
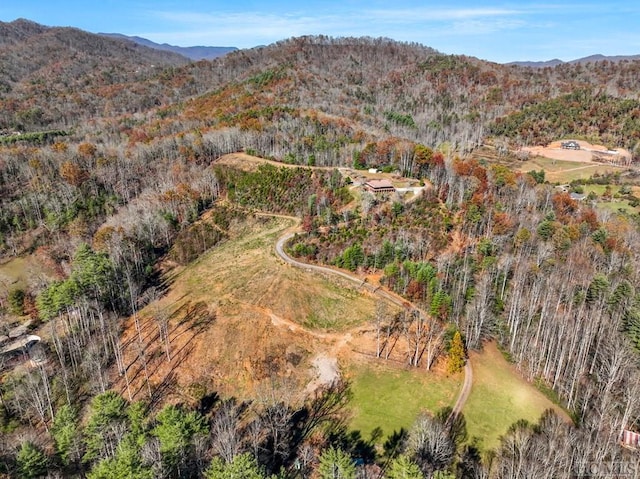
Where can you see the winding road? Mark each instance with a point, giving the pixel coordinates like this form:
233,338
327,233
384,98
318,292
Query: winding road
468,371
376,290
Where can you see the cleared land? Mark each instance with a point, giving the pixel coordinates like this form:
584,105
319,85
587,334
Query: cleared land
239,315
391,398
500,397
565,165
555,151
564,171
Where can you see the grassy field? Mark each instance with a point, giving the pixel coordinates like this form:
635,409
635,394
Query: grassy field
247,271
16,272
499,397
392,398
564,171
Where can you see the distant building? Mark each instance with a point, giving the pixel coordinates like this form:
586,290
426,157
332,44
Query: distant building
570,145
379,186
630,439
611,156
578,196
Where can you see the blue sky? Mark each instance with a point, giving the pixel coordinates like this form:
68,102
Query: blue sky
496,31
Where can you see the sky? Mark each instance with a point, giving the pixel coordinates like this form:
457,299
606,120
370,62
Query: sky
495,31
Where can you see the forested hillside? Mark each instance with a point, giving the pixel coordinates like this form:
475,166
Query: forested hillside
52,77
109,159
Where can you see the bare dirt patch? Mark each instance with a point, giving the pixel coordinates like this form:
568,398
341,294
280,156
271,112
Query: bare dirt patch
327,371
585,154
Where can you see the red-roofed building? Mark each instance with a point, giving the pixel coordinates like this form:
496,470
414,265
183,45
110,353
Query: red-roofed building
379,186
630,439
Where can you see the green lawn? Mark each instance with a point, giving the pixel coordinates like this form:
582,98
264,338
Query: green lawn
615,204
19,272
499,397
565,171
391,398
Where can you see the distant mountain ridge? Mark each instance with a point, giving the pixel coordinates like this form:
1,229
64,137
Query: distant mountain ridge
192,53
57,78
589,59
59,74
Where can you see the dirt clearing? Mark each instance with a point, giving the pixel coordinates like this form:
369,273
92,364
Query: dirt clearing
585,154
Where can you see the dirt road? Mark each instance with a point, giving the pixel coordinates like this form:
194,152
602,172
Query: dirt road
464,391
376,290
468,372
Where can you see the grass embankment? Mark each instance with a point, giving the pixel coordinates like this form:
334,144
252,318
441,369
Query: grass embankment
19,271
391,398
13,273
500,397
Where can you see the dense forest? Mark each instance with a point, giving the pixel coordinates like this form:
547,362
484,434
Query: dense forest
108,160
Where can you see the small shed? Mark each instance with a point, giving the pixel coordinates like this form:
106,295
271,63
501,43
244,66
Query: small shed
379,186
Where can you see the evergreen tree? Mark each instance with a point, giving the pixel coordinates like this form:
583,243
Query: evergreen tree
32,462
336,464
126,464
176,430
403,467
66,434
440,305
243,466
108,413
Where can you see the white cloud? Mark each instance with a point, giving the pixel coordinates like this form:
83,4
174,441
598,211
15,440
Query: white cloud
250,28
243,30
531,29
436,14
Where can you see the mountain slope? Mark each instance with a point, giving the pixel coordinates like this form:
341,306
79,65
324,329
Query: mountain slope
193,53
77,68
376,88
366,90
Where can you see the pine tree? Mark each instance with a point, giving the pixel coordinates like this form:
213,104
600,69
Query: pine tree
66,434
243,466
32,462
403,467
336,464
176,430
